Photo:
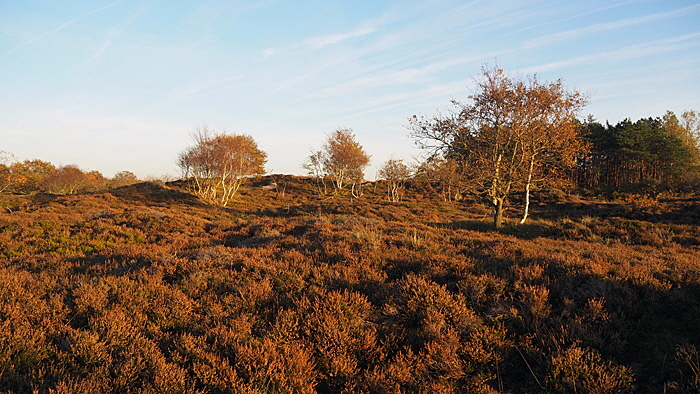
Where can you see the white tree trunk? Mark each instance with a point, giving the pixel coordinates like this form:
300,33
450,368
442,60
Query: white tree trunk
527,191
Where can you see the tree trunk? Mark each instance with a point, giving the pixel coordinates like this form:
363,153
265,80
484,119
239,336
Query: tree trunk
498,213
527,204
527,192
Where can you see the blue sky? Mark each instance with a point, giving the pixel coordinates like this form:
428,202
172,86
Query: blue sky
120,85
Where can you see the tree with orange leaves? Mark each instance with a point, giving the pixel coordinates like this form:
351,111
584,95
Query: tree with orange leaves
512,133
219,163
70,179
342,159
550,134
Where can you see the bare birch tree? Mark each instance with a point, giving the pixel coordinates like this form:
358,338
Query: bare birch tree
314,167
395,172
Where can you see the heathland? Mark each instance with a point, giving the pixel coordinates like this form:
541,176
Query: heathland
143,288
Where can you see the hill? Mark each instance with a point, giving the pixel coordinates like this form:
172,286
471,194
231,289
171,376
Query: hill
146,289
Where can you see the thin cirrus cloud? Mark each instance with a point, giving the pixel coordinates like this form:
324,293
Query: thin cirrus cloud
322,41
621,54
370,26
113,35
166,66
59,28
602,27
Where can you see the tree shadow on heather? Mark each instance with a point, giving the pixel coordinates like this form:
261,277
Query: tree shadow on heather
529,230
153,193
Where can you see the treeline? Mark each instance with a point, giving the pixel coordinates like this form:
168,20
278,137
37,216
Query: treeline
648,156
39,176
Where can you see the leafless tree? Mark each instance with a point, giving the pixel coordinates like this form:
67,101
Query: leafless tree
395,172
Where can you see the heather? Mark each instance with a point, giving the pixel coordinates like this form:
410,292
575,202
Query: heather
146,289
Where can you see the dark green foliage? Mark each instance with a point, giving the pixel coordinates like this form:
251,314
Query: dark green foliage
641,157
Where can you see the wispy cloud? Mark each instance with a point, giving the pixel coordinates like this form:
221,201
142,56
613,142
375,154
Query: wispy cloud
576,13
59,28
382,78
602,27
322,41
621,54
113,35
209,87
421,98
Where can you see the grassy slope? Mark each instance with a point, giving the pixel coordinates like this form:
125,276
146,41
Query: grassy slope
145,289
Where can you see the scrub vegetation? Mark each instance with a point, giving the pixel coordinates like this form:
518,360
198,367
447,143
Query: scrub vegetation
144,288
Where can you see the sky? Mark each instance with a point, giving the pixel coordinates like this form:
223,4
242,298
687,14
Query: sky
121,85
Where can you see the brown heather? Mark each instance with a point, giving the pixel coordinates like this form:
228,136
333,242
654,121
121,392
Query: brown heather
144,289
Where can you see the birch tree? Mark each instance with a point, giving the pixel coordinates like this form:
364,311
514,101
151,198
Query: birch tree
6,159
218,164
550,134
505,136
480,135
342,159
395,172
314,168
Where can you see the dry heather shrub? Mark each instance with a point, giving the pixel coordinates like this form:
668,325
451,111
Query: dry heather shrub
255,295
228,334
593,325
486,347
426,372
344,340
531,273
92,384
690,359
32,316
484,289
169,378
116,327
24,350
211,371
357,274
441,357
87,349
443,365
90,298
535,301
137,365
595,310
149,302
270,366
577,370
397,375
484,354
287,326
425,309
637,200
